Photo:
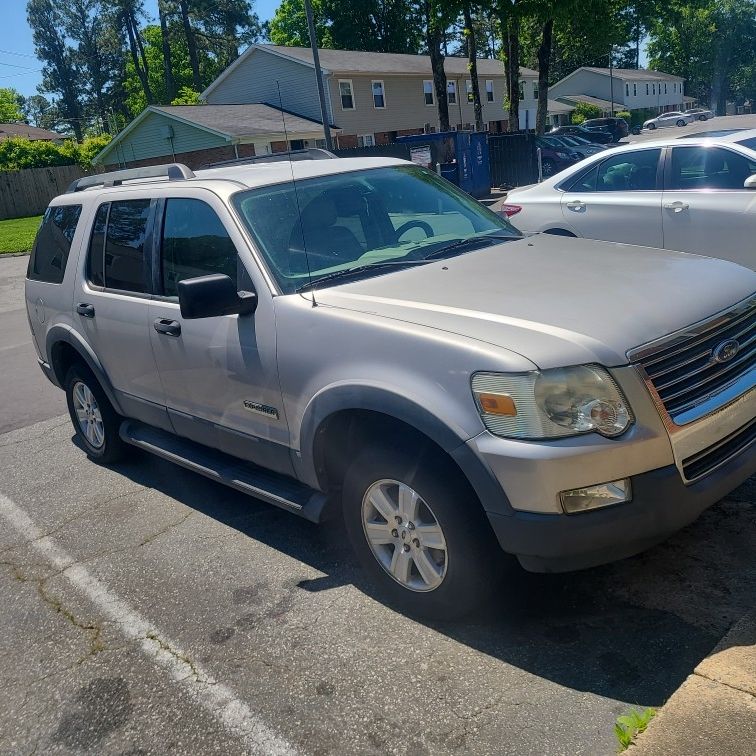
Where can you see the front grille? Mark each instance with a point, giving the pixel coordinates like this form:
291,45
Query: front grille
727,448
683,370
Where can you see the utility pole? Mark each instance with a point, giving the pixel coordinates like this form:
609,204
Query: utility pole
318,74
611,78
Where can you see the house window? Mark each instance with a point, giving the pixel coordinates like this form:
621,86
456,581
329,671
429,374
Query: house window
522,90
451,92
365,140
674,87
627,90
345,90
489,90
468,89
646,88
379,96
428,92
653,89
535,90
635,89
665,87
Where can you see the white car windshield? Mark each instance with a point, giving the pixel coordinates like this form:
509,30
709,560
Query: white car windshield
364,222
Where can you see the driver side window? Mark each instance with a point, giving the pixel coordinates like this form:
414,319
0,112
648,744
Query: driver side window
628,171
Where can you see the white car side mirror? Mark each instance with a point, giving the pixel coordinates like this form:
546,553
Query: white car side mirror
750,182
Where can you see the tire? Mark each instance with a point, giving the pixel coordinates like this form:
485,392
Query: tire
548,168
681,122
651,126
463,569
97,428
703,118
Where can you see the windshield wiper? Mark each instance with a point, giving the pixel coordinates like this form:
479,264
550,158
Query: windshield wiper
350,272
469,243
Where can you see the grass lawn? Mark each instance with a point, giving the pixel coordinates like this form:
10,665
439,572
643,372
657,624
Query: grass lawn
17,235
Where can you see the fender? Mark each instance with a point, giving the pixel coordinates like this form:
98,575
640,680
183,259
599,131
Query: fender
386,402
61,332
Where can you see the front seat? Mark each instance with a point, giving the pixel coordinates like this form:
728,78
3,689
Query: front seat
317,238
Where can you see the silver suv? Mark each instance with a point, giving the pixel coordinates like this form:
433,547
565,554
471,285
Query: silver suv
359,332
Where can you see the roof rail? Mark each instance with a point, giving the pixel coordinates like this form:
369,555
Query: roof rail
174,172
311,153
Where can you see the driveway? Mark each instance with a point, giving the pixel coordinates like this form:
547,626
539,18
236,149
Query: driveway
147,610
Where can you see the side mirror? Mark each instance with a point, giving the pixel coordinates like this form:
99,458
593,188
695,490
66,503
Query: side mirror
213,295
750,182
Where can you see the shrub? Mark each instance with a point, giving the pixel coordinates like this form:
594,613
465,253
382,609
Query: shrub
624,114
17,154
584,110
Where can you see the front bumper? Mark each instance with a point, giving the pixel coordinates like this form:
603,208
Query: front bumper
661,505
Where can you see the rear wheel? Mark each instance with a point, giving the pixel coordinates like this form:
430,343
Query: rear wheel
95,421
419,532
703,118
548,167
681,122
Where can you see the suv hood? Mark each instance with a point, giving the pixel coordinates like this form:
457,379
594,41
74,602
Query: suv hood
555,300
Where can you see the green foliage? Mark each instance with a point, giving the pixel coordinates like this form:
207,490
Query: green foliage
624,114
17,235
289,25
10,109
628,726
17,154
584,110
187,96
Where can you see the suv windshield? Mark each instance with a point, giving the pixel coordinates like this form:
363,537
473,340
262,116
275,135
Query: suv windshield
362,223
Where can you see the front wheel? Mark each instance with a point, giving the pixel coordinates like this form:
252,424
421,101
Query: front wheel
548,168
651,126
703,118
419,532
95,421
681,122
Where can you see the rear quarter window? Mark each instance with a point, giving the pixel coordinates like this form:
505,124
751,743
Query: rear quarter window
53,244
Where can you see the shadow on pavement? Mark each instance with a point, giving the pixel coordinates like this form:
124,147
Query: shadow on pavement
631,631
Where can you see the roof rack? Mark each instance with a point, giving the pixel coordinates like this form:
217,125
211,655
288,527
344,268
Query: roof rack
311,153
174,172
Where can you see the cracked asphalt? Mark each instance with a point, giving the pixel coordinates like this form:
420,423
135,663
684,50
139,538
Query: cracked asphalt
233,595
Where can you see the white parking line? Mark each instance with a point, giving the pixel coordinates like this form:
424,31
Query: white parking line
217,698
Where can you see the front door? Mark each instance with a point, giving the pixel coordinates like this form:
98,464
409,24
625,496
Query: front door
618,199
706,209
111,304
219,374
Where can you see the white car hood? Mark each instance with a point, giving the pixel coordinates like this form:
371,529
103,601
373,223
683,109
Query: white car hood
555,300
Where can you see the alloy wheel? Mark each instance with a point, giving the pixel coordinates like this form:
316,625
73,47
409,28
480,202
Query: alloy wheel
404,535
88,415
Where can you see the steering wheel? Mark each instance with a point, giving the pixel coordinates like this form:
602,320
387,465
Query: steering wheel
414,224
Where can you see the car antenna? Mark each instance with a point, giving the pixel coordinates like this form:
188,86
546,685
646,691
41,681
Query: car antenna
296,194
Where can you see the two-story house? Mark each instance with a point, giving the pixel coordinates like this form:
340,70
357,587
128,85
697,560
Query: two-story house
370,97
627,88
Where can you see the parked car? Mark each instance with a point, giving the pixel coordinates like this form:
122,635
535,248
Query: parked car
592,135
555,156
578,144
710,134
699,114
617,127
673,118
691,195
398,352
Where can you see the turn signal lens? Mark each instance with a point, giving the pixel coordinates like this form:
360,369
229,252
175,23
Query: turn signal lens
497,404
509,210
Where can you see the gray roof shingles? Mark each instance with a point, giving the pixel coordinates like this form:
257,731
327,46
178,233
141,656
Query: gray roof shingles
24,131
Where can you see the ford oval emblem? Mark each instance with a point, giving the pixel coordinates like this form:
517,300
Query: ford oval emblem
725,351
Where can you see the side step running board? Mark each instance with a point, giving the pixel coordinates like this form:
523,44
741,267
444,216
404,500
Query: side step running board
273,488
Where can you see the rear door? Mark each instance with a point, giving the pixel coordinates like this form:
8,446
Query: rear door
706,209
617,199
111,303
219,374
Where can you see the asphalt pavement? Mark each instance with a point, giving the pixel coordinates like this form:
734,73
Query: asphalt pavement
147,610
713,124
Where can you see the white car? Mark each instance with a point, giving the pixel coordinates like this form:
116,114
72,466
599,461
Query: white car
700,114
673,118
691,195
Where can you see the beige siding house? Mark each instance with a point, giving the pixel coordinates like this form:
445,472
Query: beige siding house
371,97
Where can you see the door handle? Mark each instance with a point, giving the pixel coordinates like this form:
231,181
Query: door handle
168,327
85,310
576,205
676,207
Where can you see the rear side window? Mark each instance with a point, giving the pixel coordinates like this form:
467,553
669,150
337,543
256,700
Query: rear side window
53,243
628,171
708,168
195,243
116,249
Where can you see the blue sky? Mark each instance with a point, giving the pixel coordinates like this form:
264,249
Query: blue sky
18,66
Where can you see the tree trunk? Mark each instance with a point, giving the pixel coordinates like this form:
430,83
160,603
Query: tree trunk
191,44
434,40
170,84
132,34
472,57
511,30
544,58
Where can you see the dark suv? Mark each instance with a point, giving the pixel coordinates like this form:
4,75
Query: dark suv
617,127
597,136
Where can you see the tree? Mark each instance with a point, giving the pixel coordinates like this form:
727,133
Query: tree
510,19
187,96
435,15
165,41
289,25
472,57
191,43
10,110
61,73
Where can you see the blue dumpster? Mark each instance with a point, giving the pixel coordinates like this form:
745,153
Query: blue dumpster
460,156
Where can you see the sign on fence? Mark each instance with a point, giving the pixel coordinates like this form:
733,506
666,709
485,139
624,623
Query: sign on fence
28,192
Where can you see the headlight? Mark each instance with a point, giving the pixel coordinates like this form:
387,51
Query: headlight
552,403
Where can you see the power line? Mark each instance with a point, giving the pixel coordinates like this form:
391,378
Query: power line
14,65
22,55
